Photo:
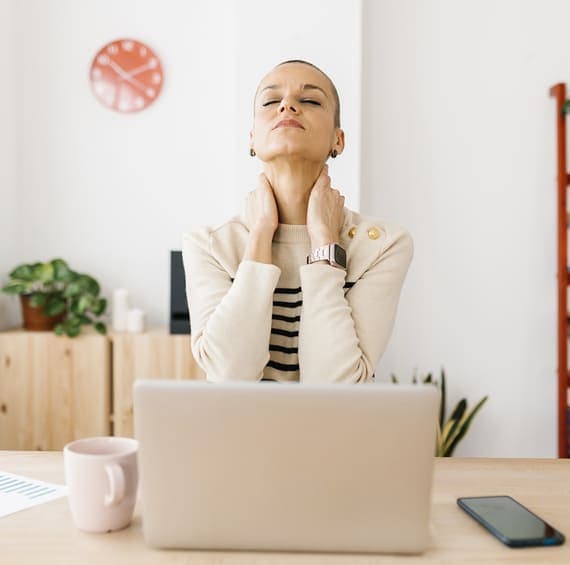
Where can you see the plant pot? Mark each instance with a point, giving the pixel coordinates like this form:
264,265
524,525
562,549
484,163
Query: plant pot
35,319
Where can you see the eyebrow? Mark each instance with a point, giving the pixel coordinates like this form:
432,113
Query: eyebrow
305,87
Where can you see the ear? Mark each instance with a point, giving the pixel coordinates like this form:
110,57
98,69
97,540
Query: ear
339,141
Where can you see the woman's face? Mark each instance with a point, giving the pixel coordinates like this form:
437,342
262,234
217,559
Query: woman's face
294,115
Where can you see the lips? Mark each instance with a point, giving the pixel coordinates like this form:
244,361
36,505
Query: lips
288,123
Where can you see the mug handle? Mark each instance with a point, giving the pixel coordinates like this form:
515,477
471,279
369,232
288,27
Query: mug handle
116,477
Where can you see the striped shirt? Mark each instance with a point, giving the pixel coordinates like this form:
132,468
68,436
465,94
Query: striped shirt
289,321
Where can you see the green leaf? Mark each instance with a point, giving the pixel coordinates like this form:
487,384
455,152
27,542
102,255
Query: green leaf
101,327
88,284
465,425
93,286
37,299
99,306
59,329
74,306
23,272
443,401
56,305
84,303
84,319
16,287
443,436
72,289
62,272
456,417
73,321
37,269
73,331
459,410
46,273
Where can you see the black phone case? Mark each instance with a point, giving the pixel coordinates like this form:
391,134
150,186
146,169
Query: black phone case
556,539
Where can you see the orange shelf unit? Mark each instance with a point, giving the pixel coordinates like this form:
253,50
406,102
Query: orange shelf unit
558,91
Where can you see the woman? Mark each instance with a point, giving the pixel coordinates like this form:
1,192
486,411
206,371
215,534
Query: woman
271,296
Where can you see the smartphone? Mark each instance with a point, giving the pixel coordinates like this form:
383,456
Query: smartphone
510,521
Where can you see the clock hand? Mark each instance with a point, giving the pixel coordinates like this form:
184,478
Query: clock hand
140,69
117,67
126,76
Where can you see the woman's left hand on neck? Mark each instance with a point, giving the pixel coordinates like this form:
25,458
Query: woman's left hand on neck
325,211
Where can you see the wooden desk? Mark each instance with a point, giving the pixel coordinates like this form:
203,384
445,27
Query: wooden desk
45,534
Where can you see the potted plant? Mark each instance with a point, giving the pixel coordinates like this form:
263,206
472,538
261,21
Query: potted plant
55,297
451,431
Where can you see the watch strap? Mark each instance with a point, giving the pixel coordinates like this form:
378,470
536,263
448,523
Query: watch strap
326,253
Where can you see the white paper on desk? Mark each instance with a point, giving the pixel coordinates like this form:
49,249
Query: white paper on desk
18,493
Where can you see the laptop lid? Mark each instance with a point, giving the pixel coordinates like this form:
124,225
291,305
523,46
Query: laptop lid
285,466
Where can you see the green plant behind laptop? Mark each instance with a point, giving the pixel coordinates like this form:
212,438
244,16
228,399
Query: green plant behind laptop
451,431
54,287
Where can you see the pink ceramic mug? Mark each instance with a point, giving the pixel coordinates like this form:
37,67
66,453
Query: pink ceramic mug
101,477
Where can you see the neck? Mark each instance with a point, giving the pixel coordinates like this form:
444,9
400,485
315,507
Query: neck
292,181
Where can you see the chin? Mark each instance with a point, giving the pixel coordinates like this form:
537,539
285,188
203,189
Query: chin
292,152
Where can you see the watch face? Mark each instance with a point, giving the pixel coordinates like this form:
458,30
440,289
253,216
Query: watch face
126,75
340,255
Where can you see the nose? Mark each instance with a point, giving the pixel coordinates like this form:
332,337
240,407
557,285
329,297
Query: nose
286,103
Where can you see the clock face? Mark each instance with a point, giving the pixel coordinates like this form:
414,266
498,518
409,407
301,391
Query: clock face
126,75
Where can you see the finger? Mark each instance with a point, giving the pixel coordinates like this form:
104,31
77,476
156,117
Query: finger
323,181
264,182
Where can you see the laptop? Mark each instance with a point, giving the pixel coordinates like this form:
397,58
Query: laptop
271,466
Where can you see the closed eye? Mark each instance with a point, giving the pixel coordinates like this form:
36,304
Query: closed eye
303,101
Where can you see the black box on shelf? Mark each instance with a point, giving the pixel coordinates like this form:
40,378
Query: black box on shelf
179,315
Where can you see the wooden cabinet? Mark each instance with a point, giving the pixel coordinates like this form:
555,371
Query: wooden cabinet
53,389
151,355
56,389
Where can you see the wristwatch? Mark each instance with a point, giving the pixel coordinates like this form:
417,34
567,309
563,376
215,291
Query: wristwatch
333,253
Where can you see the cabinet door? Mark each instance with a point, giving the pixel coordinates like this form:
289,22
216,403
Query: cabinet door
53,389
150,355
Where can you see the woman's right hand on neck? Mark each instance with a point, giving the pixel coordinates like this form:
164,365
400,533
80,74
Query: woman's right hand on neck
261,214
262,219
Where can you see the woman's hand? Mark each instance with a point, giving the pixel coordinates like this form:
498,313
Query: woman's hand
325,212
262,219
261,209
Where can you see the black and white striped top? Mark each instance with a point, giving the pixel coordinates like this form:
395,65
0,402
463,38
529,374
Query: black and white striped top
283,364
289,321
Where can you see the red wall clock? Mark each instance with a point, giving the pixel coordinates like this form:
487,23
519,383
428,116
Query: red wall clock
126,75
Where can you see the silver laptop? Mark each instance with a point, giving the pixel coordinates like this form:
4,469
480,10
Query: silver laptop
285,466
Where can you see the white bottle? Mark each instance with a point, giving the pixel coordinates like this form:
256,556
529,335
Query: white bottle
120,309
135,321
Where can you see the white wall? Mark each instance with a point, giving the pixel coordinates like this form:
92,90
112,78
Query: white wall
113,193
8,208
459,146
